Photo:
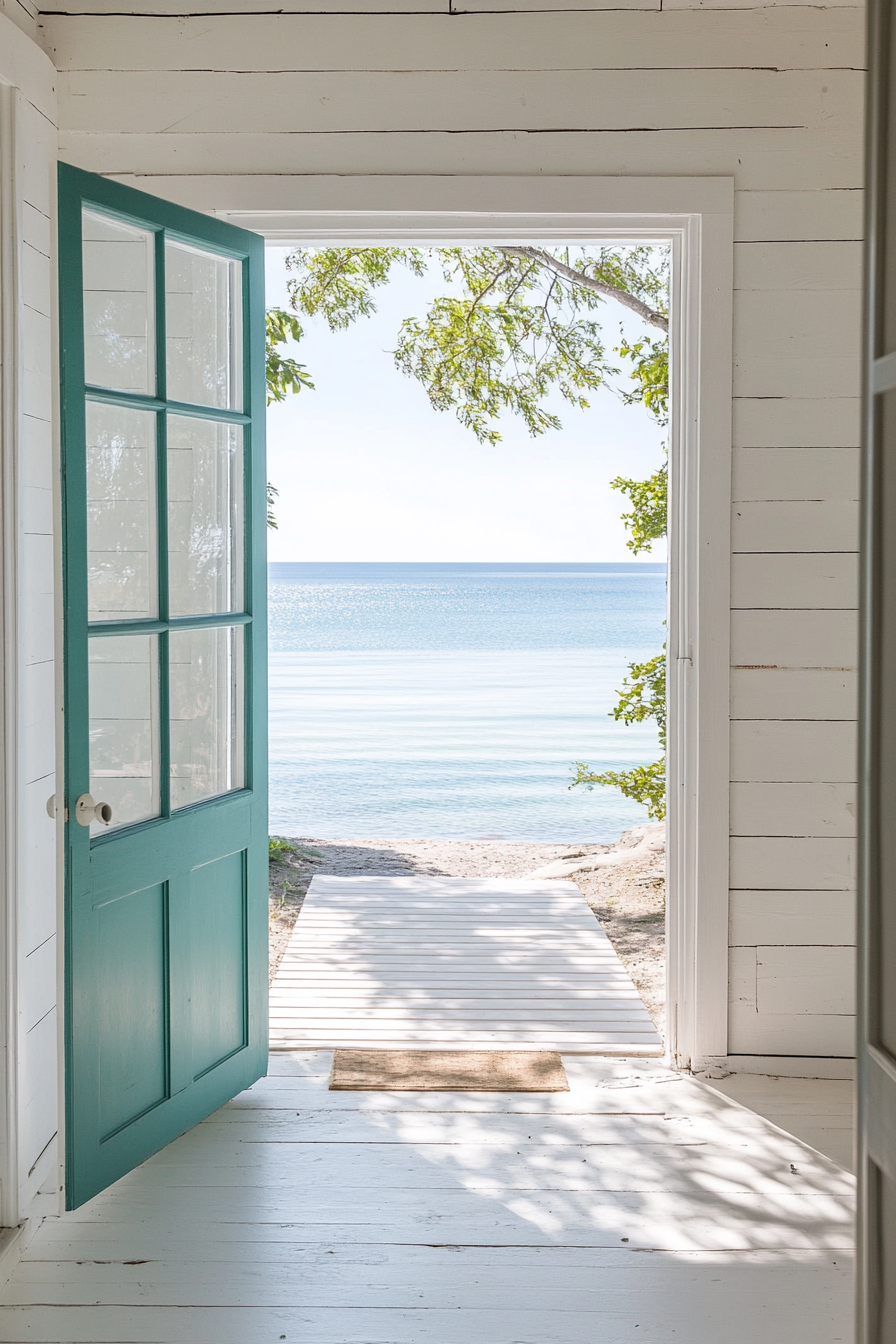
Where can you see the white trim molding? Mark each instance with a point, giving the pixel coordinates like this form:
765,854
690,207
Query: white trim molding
10,404
696,216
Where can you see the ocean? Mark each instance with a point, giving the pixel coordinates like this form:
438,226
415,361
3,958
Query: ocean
450,700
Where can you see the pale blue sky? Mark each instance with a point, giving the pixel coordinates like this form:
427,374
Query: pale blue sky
367,470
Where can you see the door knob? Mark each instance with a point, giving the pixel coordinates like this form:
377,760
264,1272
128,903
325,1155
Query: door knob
87,811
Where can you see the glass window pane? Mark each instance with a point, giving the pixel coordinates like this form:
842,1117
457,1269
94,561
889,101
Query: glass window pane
203,318
121,513
205,516
119,331
206,694
124,727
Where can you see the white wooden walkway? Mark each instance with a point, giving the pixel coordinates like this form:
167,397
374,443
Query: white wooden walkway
640,1207
473,963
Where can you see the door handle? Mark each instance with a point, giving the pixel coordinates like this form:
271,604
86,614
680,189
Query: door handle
87,811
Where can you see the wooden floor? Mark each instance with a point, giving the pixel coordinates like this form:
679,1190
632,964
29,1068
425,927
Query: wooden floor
475,963
820,1111
640,1206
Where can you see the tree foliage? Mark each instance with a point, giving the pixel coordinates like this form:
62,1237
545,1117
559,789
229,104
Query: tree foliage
642,696
649,361
272,494
283,375
647,520
514,325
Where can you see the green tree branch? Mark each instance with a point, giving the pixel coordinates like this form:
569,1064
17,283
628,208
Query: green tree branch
516,324
647,520
282,376
642,696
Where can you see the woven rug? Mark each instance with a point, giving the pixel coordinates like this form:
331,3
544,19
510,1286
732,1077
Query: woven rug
448,1071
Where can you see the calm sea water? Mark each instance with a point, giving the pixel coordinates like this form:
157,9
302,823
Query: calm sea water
414,700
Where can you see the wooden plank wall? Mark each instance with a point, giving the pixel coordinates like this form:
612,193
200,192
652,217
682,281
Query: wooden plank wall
23,13
770,94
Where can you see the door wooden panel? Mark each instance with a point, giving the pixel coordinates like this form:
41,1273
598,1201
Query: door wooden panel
218,940
163,394
132,1009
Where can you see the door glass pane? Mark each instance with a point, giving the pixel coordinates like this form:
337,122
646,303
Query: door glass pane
119,335
124,727
205,516
206,694
121,513
203,318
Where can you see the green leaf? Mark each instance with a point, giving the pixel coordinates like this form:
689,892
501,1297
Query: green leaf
509,332
273,492
283,376
648,518
278,849
650,374
642,697
337,283
645,784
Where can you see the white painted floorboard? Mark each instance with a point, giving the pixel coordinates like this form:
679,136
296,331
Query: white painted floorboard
471,963
820,1111
639,1206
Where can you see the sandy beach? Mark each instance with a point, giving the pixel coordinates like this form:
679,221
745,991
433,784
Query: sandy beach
628,901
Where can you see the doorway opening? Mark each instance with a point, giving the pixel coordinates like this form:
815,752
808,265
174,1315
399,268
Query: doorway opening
694,216
448,655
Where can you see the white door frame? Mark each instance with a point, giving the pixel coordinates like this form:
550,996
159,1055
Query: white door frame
29,952
696,216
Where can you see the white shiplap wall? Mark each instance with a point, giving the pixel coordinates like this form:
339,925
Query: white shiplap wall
794,637
770,95
23,13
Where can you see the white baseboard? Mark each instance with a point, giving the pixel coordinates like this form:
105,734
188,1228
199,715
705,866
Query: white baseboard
45,1203
12,1242
779,1066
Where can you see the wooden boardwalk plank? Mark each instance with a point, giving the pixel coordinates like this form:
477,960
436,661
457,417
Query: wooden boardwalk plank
463,962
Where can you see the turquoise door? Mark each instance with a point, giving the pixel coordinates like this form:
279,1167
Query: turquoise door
162,349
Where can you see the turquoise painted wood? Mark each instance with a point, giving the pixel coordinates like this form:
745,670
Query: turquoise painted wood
165,917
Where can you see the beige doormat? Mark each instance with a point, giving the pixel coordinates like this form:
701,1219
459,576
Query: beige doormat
447,1071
